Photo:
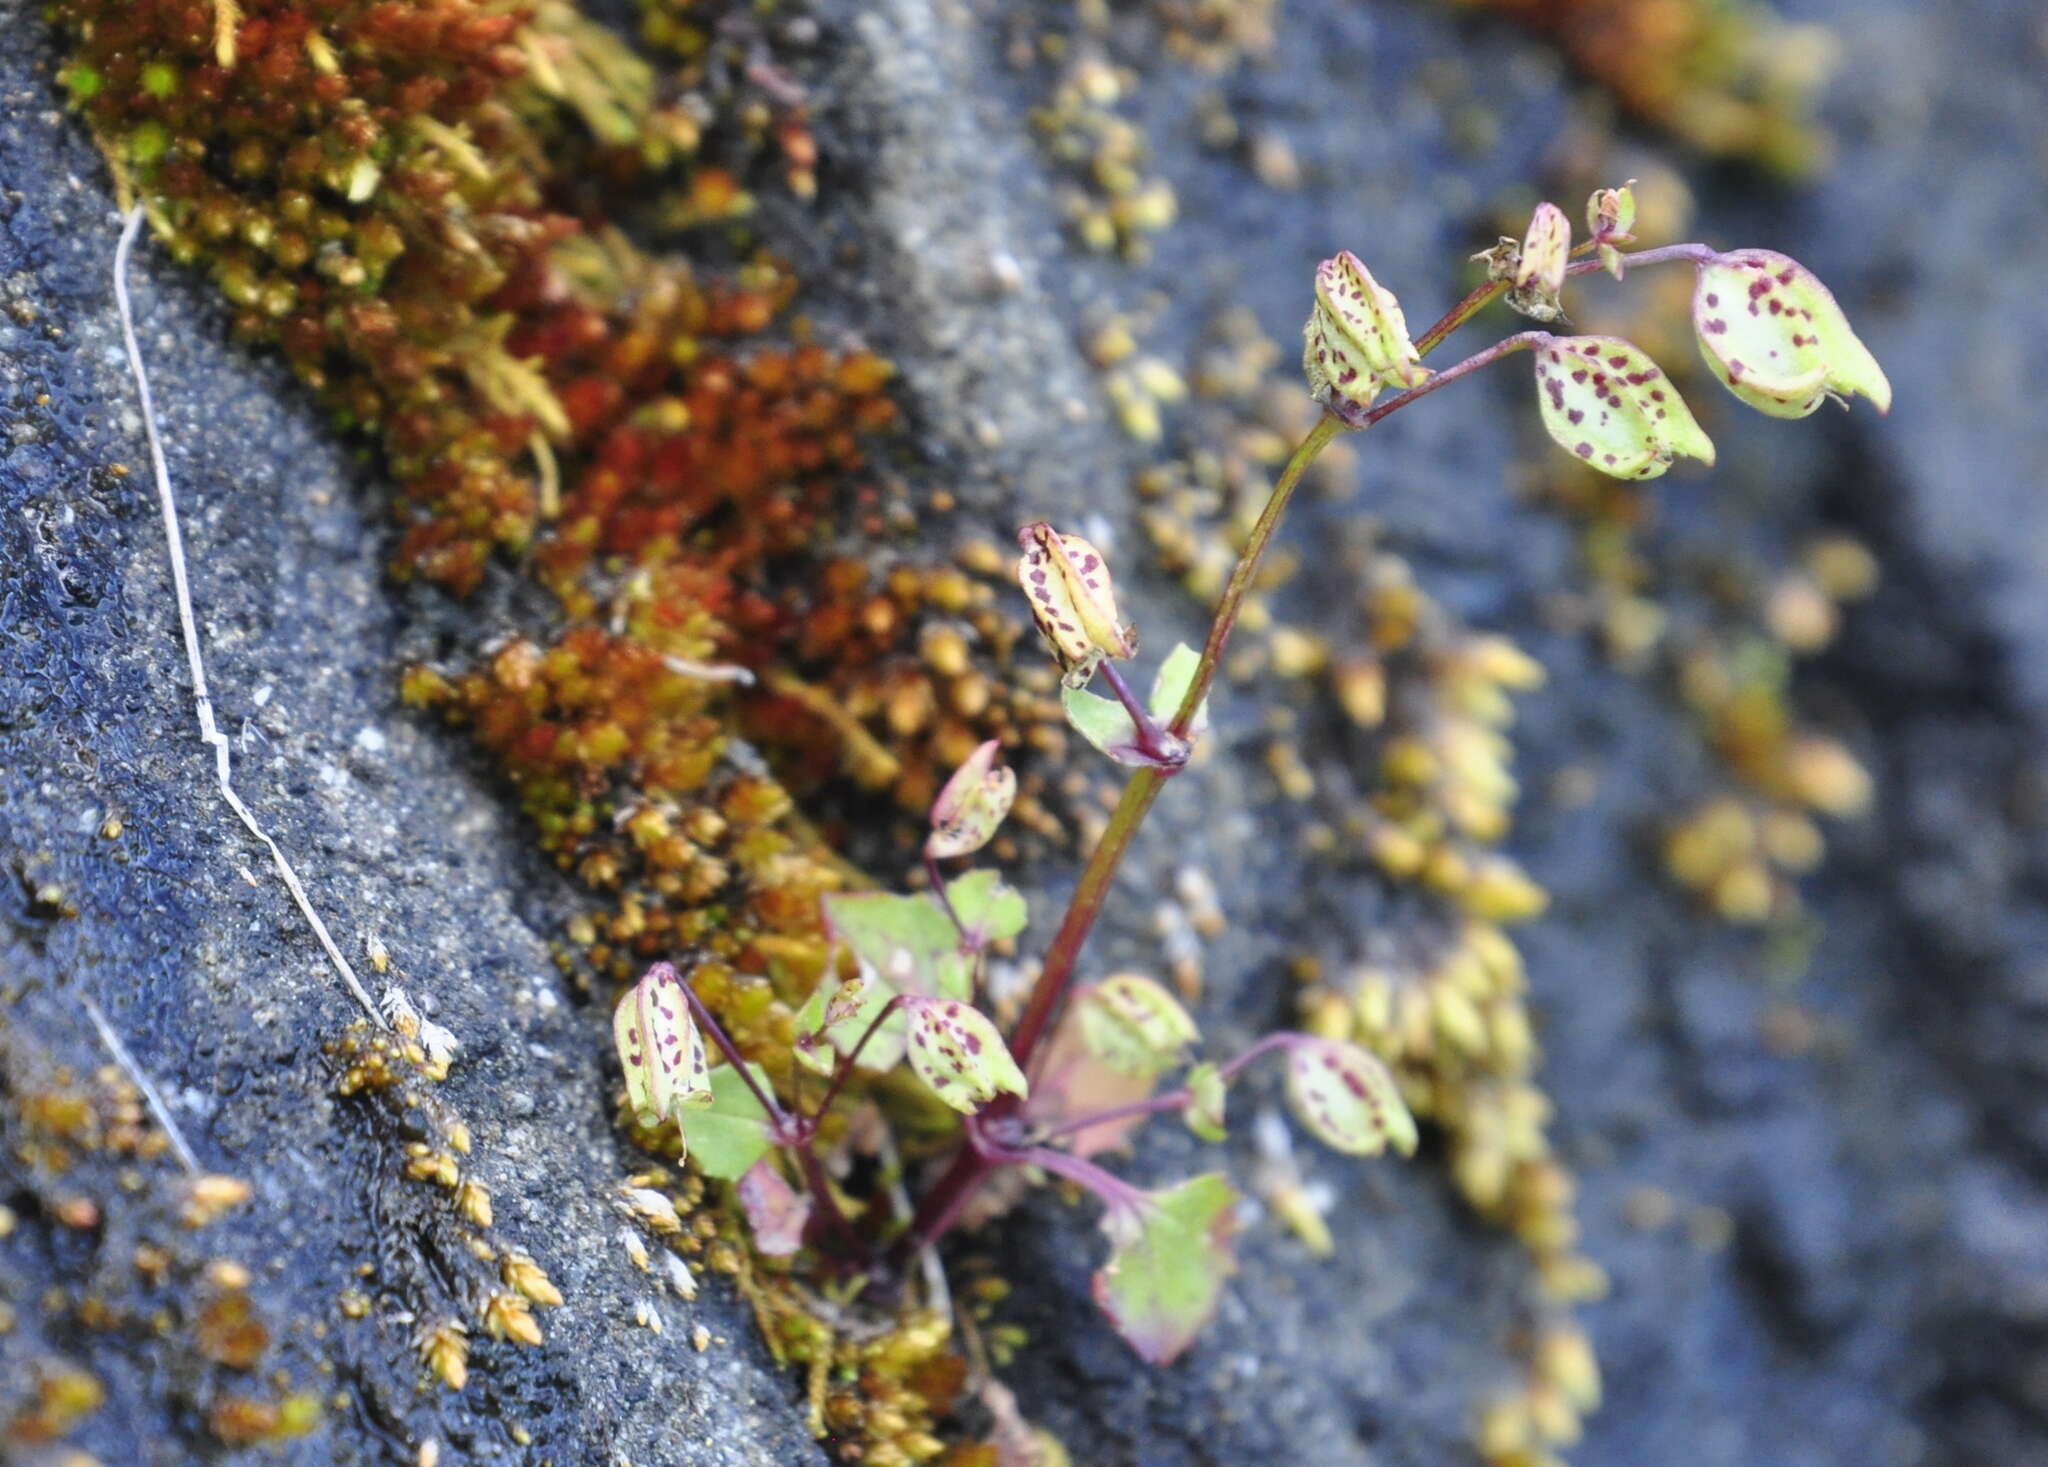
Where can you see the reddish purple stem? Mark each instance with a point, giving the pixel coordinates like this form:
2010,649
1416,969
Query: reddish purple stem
777,1116
1168,758
1172,1099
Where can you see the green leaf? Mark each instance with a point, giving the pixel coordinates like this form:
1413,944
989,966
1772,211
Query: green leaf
1346,1097
1169,1256
1134,1025
1104,723
1204,1114
733,1134
1171,683
960,1054
989,910
909,941
822,1038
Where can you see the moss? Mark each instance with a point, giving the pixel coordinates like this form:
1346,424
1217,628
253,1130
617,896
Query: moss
1731,77
410,204
145,1292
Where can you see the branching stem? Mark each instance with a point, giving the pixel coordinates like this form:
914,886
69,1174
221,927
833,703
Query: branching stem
846,1065
1154,742
975,1160
1171,1100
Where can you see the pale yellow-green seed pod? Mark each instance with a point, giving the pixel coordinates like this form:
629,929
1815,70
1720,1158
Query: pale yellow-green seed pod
1540,265
1776,338
1605,402
1356,342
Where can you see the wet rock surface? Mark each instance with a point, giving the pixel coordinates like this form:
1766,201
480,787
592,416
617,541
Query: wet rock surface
1848,1271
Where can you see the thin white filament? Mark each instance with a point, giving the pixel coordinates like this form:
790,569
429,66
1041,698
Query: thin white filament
134,1072
209,731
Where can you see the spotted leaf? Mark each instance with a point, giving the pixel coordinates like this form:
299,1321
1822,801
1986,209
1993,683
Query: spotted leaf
1346,1098
1066,580
667,1071
972,804
1607,403
959,1054
1776,338
1134,1025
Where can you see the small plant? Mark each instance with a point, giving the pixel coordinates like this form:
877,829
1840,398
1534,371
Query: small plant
1083,1064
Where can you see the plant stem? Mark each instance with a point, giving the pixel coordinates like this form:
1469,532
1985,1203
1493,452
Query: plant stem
1172,1099
1520,341
1116,1194
972,1164
1082,909
1482,296
846,1064
1696,254
1156,1105
931,869
1241,578
1286,1039
1152,739
940,1207
710,1025
820,1187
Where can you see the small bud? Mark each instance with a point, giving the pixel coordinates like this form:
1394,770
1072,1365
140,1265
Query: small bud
1345,1096
1356,340
848,999
1605,401
663,1055
1204,1114
1502,260
1777,339
1610,219
959,1054
1134,1026
1611,214
972,804
1067,582
1539,269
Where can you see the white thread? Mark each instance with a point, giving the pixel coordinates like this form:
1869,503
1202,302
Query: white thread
134,1072
194,657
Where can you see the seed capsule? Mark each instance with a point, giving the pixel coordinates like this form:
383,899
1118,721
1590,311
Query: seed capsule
1067,582
1356,340
1777,339
1606,402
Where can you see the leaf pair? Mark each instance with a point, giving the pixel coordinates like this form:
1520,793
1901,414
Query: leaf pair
912,955
1107,724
